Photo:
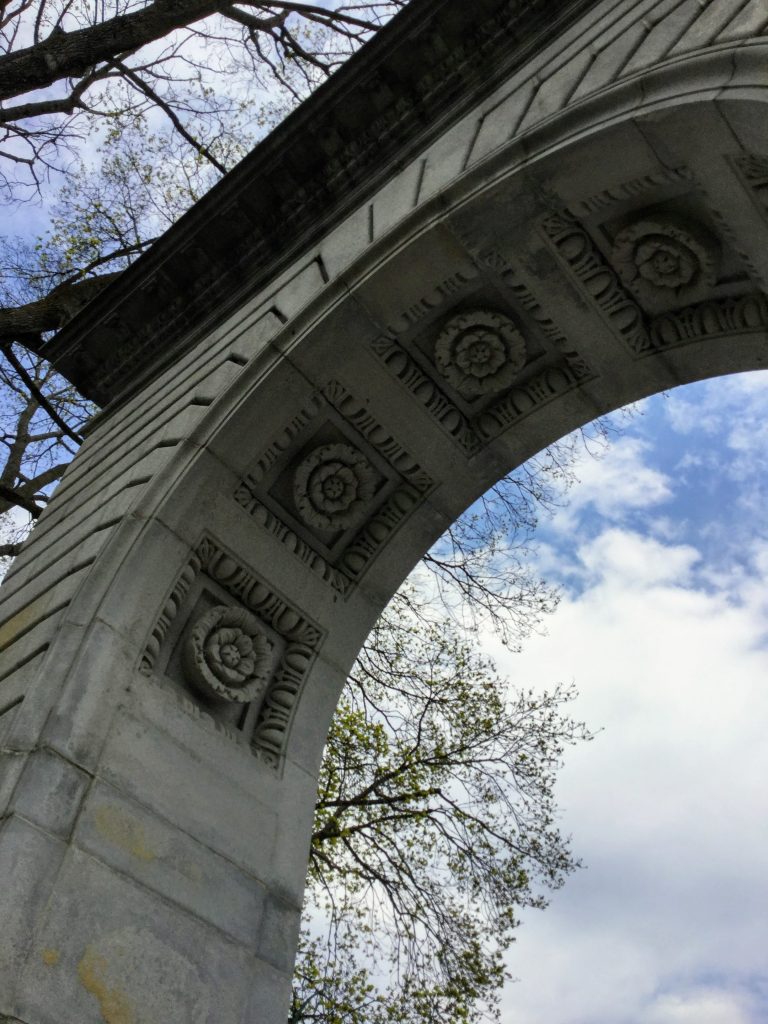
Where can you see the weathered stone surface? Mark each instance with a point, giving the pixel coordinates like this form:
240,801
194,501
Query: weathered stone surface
560,223
104,953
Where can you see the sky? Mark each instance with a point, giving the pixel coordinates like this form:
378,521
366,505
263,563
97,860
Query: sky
662,553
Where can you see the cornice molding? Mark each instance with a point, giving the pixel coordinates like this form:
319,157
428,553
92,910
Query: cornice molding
419,74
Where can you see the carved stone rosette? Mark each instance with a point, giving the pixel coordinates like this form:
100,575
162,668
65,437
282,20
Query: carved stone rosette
333,486
666,262
228,656
334,504
479,352
252,656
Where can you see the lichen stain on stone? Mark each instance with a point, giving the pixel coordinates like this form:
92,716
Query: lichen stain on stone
21,621
51,957
124,831
114,1005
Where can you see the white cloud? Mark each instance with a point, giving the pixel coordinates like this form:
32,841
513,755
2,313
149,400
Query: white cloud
617,556
730,410
612,485
700,1007
667,806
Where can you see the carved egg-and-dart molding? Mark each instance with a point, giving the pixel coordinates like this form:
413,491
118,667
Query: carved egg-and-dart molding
480,352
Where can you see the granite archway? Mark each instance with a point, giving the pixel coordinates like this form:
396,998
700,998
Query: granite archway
565,232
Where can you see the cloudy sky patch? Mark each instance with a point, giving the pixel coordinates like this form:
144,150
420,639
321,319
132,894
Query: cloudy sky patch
663,630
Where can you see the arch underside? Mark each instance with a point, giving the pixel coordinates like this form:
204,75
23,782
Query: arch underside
569,248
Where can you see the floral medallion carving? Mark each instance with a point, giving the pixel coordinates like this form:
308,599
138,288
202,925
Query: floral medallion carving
666,262
250,659
227,655
480,352
333,486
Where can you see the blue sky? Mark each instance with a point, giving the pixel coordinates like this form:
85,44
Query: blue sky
662,553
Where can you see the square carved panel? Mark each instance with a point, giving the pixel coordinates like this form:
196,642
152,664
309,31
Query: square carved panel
334,486
233,650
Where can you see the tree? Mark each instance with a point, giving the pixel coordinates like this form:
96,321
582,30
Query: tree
210,75
65,62
435,817
435,822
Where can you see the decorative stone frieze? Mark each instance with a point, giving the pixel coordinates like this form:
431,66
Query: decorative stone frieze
754,172
385,115
578,252
333,487
568,373
478,371
634,189
673,260
722,317
480,352
251,657
665,261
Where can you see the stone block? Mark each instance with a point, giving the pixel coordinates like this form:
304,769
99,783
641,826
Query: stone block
280,933
416,277
711,20
85,701
498,125
345,243
609,59
554,89
446,159
109,950
269,997
170,862
253,426
194,791
750,21
50,792
29,865
11,767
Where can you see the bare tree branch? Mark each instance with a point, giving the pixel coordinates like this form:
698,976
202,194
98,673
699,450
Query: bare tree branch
148,91
71,54
14,497
38,395
27,322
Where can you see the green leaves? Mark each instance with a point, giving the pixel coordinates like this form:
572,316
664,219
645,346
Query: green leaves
434,823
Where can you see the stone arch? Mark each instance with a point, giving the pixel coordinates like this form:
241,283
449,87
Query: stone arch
580,238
